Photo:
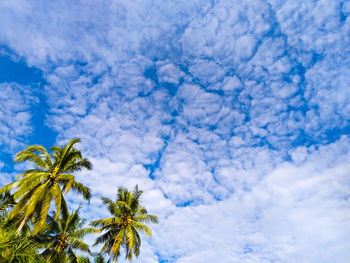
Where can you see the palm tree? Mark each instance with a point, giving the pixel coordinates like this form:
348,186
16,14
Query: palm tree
62,237
121,230
14,247
49,180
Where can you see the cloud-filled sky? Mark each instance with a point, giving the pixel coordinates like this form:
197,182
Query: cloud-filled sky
232,116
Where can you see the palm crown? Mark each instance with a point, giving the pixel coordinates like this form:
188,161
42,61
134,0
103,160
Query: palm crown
121,230
62,237
49,180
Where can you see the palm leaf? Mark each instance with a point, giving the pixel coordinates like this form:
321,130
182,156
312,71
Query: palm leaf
32,157
81,189
44,209
142,227
112,207
77,243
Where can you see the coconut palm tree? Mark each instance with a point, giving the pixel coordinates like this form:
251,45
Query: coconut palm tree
48,181
62,237
121,230
14,247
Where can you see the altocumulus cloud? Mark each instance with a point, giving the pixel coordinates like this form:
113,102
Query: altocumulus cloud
233,116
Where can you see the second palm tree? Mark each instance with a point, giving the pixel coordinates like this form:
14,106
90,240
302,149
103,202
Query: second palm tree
121,230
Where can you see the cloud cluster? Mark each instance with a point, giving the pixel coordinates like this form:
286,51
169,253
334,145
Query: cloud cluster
298,212
15,117
229,114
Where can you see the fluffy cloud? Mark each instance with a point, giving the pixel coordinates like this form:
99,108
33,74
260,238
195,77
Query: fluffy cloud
297,212
15,115
228,114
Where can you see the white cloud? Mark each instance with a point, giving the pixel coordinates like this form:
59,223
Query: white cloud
15,115
168,72
201,104
295,213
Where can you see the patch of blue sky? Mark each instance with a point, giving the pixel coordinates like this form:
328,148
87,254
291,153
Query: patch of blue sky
152,167
162,259
18,71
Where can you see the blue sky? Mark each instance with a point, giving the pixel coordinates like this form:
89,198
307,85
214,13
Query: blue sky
233,116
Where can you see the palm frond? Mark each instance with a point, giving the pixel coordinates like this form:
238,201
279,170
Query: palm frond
61,205
106,222
66,150
142,227
6,201
32,157
78,243
17,248
52,225
8,187
81,259
36,197
78,166
81,189
106,237
43,152
112,207
57,151
130,237
74,221
137,243
123,205
29,172
71,256
21,204
99,258
146,218
83,232
44,210
118,240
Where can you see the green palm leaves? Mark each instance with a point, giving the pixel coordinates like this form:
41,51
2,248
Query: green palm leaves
48,181
29,234
16,248
122,229
6,201
63,237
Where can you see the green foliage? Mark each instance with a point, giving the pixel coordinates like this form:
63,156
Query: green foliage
83,259
121,230
98,258
63,237
6,202
14,247
29,234
49,180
